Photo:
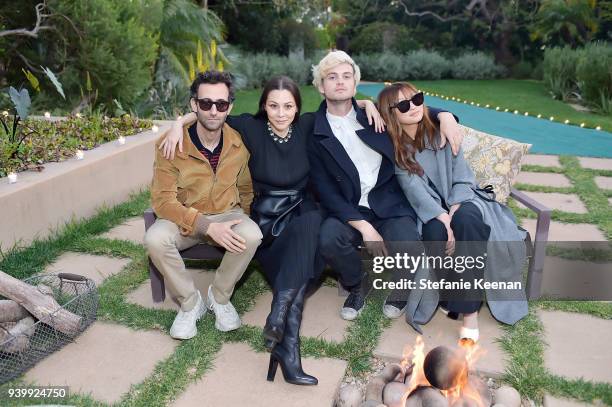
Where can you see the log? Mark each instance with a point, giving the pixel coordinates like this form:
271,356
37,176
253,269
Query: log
10,311
42,306
17,338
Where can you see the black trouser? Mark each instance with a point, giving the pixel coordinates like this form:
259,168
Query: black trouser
339,242
468,226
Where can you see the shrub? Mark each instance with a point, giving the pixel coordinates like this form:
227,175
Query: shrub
393,67
425,65
594,75
522,70
254,70
383,36
559,71
383,66
475,65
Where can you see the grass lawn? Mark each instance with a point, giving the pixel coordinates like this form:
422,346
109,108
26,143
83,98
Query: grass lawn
522,95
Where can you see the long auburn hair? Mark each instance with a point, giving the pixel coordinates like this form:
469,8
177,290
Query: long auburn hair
405,147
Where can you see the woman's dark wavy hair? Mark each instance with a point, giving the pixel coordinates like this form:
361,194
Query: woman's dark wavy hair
279,83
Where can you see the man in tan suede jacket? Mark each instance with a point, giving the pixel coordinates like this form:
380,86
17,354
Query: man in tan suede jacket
204,194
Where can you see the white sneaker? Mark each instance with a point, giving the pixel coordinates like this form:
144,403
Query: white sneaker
184,325
227,318
394,309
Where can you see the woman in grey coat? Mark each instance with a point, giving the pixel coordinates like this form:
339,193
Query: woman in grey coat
455,217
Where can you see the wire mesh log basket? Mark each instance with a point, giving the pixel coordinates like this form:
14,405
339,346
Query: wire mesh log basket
25,342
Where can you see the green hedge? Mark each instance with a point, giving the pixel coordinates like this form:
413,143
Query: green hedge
583,74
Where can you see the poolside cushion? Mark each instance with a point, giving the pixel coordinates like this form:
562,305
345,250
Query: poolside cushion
495,160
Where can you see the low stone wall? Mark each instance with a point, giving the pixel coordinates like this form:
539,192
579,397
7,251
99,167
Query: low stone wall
41,202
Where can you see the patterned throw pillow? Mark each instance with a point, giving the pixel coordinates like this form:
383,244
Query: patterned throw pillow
495,160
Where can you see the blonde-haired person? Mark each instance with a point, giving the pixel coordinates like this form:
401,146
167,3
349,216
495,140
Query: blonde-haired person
452,210
352,170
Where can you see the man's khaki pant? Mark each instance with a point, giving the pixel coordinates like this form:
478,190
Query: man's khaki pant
163,241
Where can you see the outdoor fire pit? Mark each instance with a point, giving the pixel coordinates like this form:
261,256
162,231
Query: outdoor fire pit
444,377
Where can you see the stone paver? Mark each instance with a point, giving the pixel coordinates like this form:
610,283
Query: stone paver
603,182
445,331
543,178
104,361
238,378
321,314
541,159
578,345
97,268
576,279
550,401
570,232
142,295
596,163
132,230
555,200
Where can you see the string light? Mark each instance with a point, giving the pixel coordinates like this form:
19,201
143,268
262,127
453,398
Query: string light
526,113
551,118
539,116
566,121
598,128
581,124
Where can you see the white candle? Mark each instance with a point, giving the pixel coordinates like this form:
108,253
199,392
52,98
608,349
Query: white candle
155,128
79,155
12,178
121,140
47,115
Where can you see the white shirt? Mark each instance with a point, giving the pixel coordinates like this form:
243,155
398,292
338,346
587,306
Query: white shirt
366,160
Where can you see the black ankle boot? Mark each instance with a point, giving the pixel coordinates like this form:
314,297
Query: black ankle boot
287,352
275,323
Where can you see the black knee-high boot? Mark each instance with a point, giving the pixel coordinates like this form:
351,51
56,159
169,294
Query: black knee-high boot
275,322
287,352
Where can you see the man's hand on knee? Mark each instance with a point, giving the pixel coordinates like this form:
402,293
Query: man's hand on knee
222,233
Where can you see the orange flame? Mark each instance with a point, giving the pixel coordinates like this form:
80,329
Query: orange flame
415,356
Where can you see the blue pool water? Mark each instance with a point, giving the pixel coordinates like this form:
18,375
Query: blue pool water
547,137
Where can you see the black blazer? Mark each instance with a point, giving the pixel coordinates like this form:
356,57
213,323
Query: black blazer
336,179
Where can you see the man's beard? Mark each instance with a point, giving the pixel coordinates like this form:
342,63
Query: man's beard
210,125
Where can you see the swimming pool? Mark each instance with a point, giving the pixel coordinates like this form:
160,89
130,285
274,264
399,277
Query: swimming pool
547,137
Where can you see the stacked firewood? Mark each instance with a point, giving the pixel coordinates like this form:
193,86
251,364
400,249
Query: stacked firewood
23,306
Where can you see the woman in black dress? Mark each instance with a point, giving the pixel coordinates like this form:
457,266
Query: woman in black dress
284,210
